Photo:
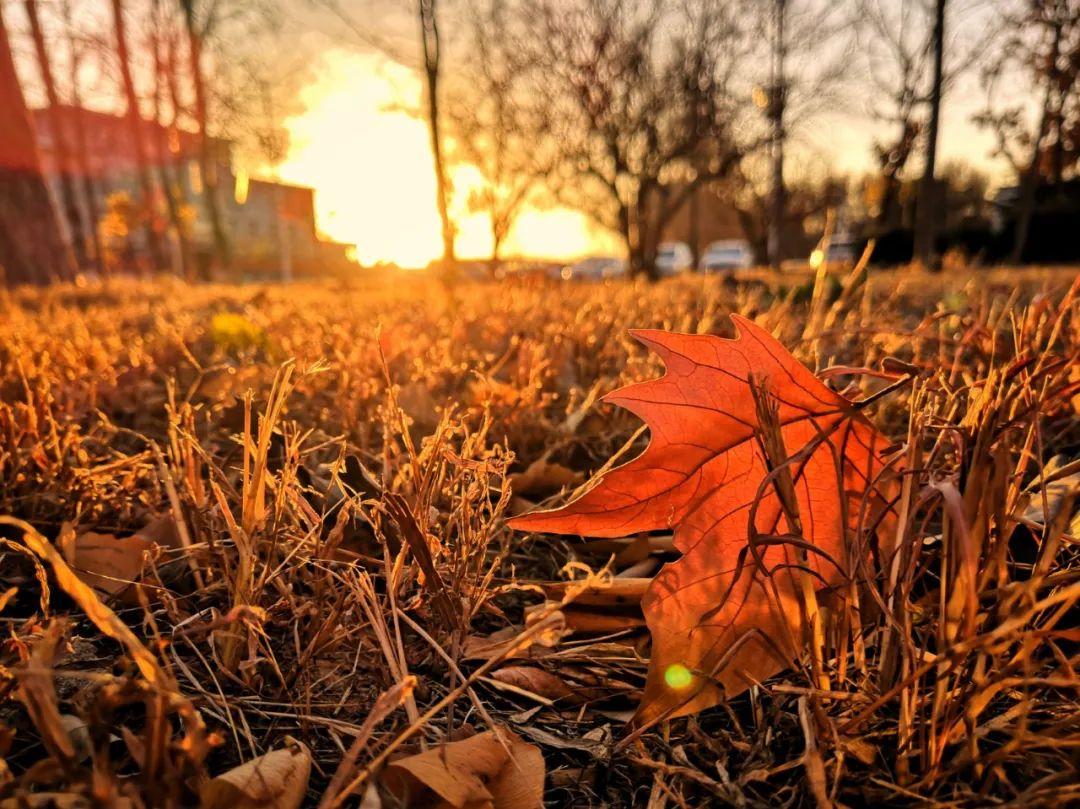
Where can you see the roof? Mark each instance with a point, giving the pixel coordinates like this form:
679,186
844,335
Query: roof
108,139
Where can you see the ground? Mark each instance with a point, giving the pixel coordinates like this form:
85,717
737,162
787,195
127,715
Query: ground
320,475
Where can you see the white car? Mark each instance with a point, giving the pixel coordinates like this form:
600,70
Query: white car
594,268
729,254
841,249
673,258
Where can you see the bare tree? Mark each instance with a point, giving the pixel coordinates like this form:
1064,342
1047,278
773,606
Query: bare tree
777,92
431,45
31,247
137,133
898,38
430,65
59,134
637,99
808,195
198,28
1043,42
895,42
80,147
489,120
807,69
164,47
925,213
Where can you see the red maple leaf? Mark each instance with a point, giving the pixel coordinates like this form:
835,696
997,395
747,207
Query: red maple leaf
728,613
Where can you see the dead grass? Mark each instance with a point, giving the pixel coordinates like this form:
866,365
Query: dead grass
326,469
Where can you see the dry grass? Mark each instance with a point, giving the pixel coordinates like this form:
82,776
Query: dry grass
328,469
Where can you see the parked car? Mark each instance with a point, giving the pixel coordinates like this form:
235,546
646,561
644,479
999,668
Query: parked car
674,257
839,251
729,254
594,268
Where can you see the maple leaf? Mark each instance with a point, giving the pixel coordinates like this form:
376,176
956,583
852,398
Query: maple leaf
728,614
274,780
496,769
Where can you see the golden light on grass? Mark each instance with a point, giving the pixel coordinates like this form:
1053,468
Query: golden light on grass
330,504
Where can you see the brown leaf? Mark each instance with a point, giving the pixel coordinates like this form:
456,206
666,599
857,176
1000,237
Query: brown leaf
275,780
107,621
108,564
542,477
495,772
506,641
1045,500
162,530
536,681
729,612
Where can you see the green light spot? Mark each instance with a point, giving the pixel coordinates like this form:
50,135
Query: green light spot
678,676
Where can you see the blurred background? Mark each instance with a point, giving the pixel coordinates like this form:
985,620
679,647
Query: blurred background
278,139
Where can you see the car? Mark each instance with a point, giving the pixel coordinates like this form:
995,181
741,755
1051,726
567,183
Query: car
838,251
729,254
594,268
673,258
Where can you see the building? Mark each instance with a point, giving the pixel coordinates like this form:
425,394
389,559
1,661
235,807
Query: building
270,226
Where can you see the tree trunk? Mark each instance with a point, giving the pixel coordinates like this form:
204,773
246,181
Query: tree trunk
498,234
925,214
429,33
135,125
1030,181
83,168
179,191
778,93
166,177
58,131
647,233
207,160
32,250
694,228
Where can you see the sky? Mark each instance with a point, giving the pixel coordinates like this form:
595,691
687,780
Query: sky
353,139
370,160
370,163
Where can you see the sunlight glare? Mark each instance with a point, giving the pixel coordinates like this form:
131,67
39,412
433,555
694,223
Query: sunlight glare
369,161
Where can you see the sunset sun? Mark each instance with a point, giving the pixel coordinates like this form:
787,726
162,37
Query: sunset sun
360,144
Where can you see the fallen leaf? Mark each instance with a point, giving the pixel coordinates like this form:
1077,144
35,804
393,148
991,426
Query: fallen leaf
718,621
594,746
109,564
506,642
536,681
275,780
543,477
162,530
1059,490
107,621
489,771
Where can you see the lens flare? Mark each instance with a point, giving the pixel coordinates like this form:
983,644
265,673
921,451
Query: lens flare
678,676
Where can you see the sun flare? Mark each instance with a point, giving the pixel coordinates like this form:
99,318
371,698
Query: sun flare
368,158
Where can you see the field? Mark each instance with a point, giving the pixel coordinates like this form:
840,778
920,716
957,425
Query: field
246,519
